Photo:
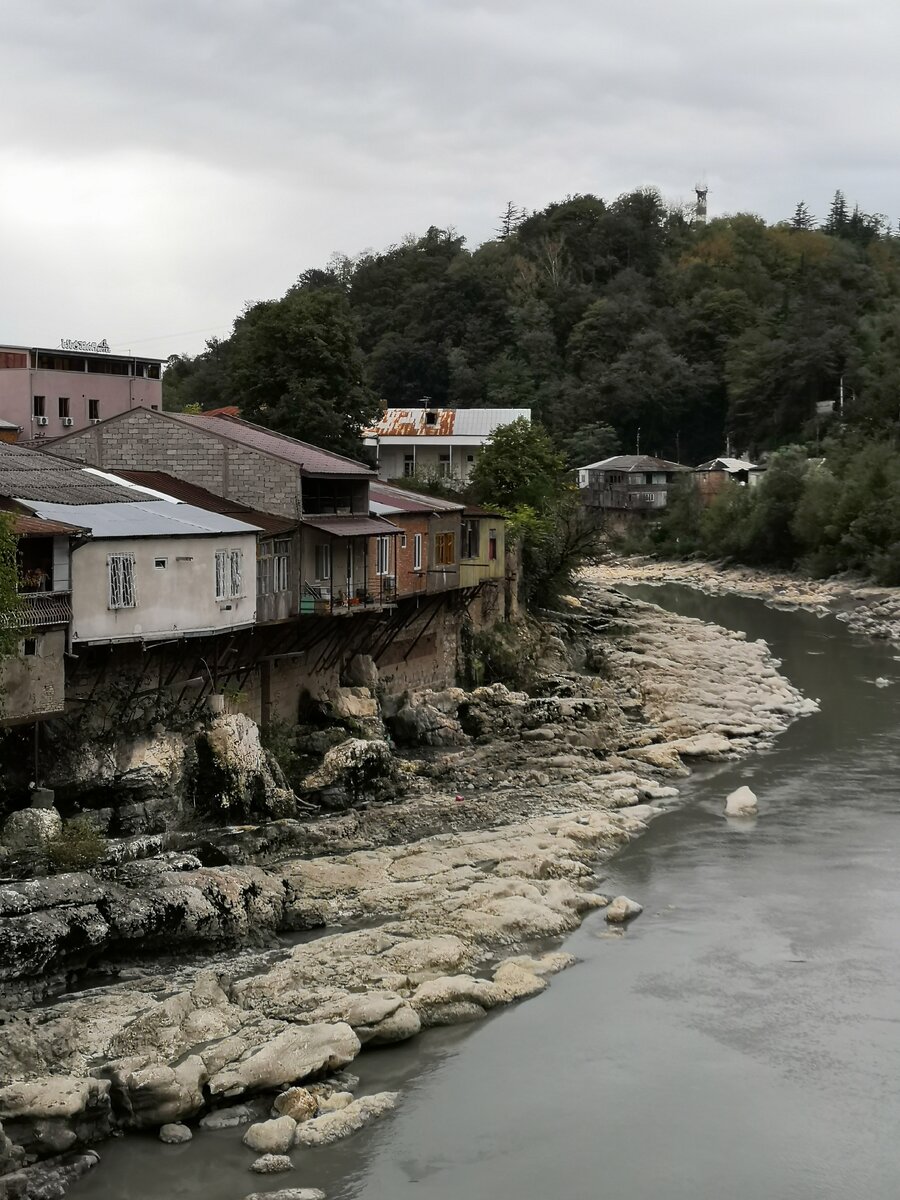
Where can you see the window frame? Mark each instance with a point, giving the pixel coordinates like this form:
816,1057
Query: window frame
383,554
229,574
322,557
121,582
417,551
64,407
39,406
445,549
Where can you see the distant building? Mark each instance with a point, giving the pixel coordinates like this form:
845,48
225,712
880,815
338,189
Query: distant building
439,442
628,483
711,477
45,393
428,549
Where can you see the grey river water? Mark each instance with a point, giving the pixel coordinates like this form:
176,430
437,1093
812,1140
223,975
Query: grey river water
741,1041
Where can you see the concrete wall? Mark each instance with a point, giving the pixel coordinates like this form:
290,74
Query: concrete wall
428,459
176,599
146,441
114,393
33,686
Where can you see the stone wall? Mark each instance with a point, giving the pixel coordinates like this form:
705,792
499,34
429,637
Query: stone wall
144,440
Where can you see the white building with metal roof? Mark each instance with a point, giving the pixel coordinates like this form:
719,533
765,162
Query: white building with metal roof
435,442
150,570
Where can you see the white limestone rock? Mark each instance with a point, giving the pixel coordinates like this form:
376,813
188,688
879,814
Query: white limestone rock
271,1164
30,829
296,1102
271,1137
175,1134
622,909
331,1127
288,1194
741,803
292,1055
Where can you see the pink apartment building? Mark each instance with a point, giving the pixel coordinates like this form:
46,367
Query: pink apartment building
47,393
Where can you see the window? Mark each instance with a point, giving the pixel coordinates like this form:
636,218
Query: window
409,465
492,545
63,407
93,410
229,576
402,541
430,417
445,549
10,358
471,538
383,555
282,579
29,649
160,563
38,406
444,465
323,561
120,571
417,552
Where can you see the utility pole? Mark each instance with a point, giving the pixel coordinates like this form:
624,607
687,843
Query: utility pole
700,208
637,444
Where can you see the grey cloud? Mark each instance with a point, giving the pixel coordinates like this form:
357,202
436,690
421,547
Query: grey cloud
255,136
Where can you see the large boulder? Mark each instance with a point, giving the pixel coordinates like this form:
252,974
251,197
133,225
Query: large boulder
236,774
271,1137
30,829
150,1093
52,1114
741,803
290,1057
271,1164
175,1134
331,1127
622,909
356,767
361,672
297,1102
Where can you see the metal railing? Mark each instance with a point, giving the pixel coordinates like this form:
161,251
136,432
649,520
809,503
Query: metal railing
40,610
329,598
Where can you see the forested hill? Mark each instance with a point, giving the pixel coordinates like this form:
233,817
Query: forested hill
612,321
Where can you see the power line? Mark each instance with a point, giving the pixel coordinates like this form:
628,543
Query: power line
164,336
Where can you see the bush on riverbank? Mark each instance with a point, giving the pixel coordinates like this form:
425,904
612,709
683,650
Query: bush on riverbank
835,512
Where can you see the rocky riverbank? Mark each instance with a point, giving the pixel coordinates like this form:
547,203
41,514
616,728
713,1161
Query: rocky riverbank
862,606
428,911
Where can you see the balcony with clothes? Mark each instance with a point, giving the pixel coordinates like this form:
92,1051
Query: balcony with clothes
348,564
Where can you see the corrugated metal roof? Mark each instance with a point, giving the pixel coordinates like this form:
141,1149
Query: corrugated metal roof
398,500
142,518
728,464
634,462
351,526
35,475
190,493
447,422
227,410
310,459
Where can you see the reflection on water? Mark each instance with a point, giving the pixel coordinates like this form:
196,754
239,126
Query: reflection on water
742,1040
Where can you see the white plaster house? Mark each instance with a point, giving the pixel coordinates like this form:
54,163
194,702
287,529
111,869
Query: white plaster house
435,442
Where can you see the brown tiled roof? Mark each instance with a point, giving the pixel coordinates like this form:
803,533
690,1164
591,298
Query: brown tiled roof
310,459
25,525
191,493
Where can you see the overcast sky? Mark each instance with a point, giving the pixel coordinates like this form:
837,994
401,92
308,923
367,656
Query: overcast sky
164,162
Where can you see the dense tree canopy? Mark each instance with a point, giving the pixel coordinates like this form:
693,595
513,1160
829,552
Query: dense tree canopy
618,323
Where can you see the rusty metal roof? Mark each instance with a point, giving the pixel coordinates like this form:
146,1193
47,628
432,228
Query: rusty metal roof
443,423
350,526
190,493
25,525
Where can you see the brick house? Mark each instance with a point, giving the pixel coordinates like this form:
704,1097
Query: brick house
428,548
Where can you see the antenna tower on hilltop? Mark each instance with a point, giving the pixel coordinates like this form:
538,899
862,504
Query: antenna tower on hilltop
700,208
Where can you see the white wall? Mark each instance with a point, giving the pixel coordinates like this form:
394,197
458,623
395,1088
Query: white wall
176,599
390,462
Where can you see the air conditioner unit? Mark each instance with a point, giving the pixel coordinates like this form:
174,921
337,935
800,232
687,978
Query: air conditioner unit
67,421
41,420
95,420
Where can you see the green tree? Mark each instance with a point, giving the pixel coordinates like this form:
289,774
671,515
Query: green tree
518,467
802,218
295,366
10,600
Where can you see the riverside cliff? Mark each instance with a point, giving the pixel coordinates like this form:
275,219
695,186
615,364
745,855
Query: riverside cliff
480,823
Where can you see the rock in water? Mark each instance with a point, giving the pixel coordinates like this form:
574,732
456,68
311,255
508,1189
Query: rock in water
741,803
271,1164
296,1102
331,1127
174,1134
622,909
271,1137
289,1194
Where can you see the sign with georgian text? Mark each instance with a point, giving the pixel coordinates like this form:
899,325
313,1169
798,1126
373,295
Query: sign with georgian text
87,347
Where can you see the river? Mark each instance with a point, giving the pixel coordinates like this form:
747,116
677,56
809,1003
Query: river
740,1041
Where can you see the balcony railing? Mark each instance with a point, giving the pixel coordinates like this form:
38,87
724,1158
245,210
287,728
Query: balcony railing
325,598
40,610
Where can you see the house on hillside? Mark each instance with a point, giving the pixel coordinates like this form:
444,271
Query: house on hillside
325,494
713,476
45,392
427,550
483,546
439,442
628,483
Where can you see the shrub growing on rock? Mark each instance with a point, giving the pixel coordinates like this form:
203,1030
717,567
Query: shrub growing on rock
79,846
